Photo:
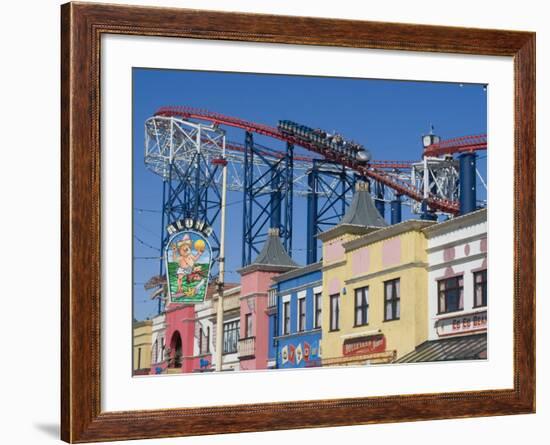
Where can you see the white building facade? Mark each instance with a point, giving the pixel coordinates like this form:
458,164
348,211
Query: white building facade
203,345
457,290
230,329
457,276
158,344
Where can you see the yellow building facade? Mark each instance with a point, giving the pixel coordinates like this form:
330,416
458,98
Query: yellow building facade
142,336
375,306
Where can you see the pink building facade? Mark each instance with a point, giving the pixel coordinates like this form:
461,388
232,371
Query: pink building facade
190,335
254,319
180,334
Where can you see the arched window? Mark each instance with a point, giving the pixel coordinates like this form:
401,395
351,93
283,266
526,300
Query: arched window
176,348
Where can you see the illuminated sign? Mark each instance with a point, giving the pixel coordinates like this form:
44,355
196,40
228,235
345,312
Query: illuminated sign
188,257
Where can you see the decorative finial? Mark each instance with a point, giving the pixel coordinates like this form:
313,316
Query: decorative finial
362,186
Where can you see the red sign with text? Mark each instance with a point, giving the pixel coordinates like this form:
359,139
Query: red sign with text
364,345
464,324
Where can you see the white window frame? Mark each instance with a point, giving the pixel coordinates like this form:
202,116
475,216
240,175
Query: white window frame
285,299
317,290
301,296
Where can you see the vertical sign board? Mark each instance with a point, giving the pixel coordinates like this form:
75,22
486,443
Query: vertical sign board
188,258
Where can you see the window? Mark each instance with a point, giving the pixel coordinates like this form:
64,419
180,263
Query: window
361,306
318,307
480,288
392,298
162,347
450,294
155,351
271,297
301,314
204,340
335,312
248,325
286,317
231,336
139,359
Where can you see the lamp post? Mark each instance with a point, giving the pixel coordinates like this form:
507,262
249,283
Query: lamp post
221,275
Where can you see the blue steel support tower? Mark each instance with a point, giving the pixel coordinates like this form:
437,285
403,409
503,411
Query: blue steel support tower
312,203
395,210
326,204
192,192
288,174
467,182
267,198
379,198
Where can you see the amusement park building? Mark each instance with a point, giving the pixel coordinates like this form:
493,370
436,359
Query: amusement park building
457,290
254,319
142,347
374,286
294,308
158,344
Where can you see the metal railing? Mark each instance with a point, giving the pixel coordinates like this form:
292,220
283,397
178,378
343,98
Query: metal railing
247,347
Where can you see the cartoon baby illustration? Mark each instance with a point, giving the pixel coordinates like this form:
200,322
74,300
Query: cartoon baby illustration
184,256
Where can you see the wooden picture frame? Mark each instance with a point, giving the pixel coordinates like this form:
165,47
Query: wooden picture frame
82,26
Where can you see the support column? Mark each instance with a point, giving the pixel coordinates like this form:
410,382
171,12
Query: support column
467,182
275,203
289,198
395,210
163,238
196,198
312,201
248,168
379,198
343,188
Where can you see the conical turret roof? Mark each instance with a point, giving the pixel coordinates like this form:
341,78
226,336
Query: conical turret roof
361,217
362,211
273,256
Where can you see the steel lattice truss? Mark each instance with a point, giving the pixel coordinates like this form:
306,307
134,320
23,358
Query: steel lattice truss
187,147
174,141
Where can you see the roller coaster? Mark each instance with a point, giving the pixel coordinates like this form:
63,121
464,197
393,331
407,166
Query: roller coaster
187,147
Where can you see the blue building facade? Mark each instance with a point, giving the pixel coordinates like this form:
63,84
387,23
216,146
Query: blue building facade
294,311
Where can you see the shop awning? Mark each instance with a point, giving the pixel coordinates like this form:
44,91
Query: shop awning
470,347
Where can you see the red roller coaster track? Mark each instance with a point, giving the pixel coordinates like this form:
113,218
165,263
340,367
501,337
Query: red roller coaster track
457,145
373,170
390,165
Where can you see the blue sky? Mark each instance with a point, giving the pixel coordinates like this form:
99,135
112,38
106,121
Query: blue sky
388,117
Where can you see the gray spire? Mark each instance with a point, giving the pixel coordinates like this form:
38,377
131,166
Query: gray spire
362,211
361,218
273,256
273,253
